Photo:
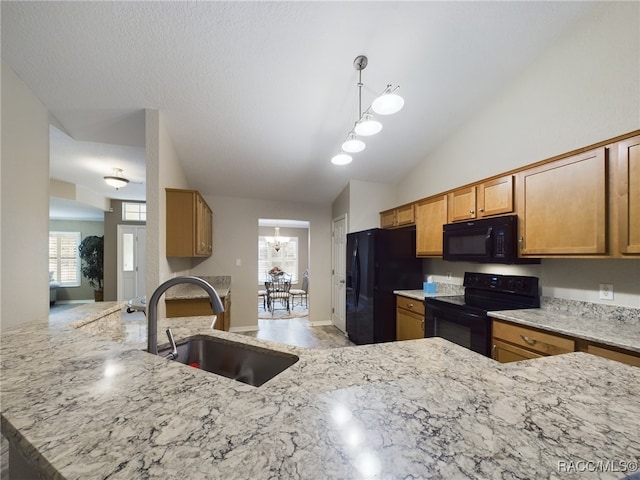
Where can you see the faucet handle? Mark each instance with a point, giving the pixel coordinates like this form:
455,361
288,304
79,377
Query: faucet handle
174,348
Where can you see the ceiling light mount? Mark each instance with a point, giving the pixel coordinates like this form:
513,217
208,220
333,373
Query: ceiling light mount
387,103
116,179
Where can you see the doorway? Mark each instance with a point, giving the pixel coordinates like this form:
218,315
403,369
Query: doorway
131,261
283,246
338,272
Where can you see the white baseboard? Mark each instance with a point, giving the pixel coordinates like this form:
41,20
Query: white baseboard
321,323
69,302
248,328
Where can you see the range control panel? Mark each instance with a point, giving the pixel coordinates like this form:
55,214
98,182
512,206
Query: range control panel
502,283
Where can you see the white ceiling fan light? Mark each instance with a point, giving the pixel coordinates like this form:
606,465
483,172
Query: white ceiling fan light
388,103
341,159
116,179
353,144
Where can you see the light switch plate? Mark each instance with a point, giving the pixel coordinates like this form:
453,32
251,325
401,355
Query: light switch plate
606,291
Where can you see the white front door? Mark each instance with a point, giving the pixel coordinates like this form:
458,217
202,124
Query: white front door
339,272
131,261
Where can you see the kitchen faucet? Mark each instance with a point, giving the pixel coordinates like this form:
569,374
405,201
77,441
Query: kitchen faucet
152,307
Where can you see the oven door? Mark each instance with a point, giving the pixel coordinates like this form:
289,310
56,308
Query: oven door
466,327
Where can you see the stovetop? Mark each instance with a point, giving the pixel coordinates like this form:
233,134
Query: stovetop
492,292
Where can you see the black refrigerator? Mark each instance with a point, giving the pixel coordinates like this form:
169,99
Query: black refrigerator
379,261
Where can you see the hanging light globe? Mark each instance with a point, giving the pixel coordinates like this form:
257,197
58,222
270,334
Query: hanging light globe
367,126
353,144
388,103
341,159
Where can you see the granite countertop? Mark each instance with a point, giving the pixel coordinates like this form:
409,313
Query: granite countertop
83,406
190,291
591,327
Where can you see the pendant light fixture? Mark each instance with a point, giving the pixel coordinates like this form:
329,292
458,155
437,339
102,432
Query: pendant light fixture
116,179
387,103
276,240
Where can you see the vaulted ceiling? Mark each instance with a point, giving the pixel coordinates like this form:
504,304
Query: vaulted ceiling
258,96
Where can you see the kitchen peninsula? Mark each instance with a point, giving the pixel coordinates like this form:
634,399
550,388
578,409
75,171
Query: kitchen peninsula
81,405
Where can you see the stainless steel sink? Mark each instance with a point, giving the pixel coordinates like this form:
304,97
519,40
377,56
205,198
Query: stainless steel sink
241,362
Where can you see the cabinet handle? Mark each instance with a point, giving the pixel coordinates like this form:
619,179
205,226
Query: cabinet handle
521,242
481,210
493,351
410,305
530,341
472,212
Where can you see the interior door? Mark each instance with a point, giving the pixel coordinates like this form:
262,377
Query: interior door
339,272
131,261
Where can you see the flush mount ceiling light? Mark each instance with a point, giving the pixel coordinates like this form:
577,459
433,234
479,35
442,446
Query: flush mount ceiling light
116,179
387,103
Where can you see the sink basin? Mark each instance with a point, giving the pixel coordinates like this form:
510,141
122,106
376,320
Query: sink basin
244,363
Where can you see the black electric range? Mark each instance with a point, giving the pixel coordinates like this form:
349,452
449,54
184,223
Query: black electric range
464,319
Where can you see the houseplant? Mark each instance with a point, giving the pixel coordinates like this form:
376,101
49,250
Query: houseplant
92,255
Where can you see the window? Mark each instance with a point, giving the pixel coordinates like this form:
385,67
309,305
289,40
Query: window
64,258
134,212
286,258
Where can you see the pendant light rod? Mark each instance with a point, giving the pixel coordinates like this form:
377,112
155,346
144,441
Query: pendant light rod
387,103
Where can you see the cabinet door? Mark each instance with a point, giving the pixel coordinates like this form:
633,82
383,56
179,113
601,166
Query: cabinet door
629,358
203,246
431,215
405,215
495,197
628,175
463,204
563,206
409,325
388,219
543,343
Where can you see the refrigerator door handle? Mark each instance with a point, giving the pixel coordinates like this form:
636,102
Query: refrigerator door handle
356,270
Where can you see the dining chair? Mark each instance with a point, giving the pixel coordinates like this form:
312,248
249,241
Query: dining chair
301,292
278,290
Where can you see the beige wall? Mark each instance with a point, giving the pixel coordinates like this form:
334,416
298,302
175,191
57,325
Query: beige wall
235,237
362,202
585,89
163,171
24,294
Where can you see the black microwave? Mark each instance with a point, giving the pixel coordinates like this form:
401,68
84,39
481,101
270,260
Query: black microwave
489,240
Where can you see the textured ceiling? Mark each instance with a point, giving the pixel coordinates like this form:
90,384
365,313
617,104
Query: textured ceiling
258,96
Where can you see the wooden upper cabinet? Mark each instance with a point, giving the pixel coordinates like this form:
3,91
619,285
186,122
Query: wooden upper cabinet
562,206
462,204
189,224
495,197
398,217
486,199
628,192
388,219
431,215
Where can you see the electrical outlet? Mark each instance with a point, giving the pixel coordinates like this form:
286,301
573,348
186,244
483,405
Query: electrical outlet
238,262
606,291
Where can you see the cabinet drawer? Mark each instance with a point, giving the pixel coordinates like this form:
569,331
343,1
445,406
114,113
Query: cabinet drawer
627,358
506,353
535,340
410,304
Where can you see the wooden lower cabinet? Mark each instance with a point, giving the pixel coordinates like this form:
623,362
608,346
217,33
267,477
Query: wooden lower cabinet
619,355
409,318
512,342
197,307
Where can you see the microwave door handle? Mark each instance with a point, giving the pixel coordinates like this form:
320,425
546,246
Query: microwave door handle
487,241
